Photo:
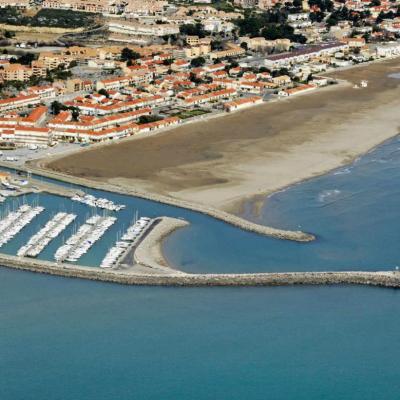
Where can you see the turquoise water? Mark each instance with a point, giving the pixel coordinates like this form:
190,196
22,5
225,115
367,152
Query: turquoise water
71,339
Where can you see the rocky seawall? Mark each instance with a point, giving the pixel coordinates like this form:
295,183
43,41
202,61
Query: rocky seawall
389,279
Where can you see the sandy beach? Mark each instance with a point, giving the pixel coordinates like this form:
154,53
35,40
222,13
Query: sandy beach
224,161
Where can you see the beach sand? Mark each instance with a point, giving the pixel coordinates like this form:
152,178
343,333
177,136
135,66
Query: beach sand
225,161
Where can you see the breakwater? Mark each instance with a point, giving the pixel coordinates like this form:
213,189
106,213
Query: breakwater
149,251
389,279
297,236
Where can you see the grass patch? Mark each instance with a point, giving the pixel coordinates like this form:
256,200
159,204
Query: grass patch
48,18
190,113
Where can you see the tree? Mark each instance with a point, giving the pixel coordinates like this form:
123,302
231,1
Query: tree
216,45
9,34
25,59
197,62
103,92
192,30
129,54
144,119
75,113
56,107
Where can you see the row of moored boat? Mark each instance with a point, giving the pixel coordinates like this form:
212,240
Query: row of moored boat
15,221
92,201
129,239
86,236
50,231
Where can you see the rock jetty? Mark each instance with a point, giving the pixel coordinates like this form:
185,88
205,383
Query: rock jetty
389,279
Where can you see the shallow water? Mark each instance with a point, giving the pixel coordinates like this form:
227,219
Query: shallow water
354,212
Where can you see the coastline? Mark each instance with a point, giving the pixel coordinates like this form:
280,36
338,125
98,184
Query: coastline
226,217
212,163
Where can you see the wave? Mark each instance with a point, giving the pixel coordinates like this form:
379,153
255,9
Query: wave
342,171
328,195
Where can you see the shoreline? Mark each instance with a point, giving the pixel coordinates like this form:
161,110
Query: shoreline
232,219
310,136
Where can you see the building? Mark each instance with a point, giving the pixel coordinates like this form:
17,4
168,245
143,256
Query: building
18,103
93,6
244,102
16,72
388,49
142,32
303,54
232,51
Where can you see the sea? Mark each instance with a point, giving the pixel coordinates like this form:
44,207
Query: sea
70,339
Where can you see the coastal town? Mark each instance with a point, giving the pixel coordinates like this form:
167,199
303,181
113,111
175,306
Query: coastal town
144,66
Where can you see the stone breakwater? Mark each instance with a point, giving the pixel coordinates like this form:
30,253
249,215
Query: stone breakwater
389,279
297,236
149,252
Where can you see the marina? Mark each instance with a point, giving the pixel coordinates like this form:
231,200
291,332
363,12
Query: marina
15,221
50,231
127,243
80,242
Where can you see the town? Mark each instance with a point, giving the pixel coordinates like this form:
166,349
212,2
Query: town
142,66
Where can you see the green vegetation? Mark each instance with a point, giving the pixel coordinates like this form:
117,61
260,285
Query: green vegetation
60,73
223,5
344,14
129,55
56,107
192,30
103,92
46,17
197,62
25,59
270,24
145,119
190,113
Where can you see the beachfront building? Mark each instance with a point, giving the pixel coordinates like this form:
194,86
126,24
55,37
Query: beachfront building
164,123
304,54
18,103
388,49
211,97
241,103
296,90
